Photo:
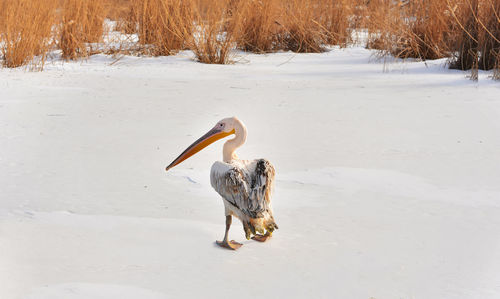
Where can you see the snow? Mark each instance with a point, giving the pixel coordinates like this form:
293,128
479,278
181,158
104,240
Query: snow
387,178
97,291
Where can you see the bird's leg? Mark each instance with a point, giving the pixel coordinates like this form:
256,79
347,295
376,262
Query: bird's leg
262,238
231,244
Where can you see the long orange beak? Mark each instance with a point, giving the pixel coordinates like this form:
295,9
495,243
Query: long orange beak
204,141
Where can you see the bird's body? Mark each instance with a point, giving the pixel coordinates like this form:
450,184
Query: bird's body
245,186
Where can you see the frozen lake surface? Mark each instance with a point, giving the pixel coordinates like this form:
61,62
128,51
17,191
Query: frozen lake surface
388,179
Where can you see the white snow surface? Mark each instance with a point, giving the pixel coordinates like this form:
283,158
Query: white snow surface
388,179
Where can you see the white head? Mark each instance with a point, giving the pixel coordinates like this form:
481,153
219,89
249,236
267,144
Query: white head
227,124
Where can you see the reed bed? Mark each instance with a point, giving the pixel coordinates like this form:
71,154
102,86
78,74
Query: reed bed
489,44
82,25
163,25
410,29
259,25
337,19
26,32
298,26
303,32
216,29
467,32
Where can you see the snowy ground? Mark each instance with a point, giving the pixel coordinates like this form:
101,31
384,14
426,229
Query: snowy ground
387,179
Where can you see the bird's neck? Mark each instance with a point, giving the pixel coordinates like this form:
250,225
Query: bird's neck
240,136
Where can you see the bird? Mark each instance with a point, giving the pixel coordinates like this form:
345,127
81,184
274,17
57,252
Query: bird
246,186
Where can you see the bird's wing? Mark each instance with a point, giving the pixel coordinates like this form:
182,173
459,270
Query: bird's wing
247,186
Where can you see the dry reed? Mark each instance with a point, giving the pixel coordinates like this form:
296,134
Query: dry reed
304,34
468,31
82,25
409,29
216,31
334,17
466,55
294,25
26,32
163,25
127,22
489,24
259,27
478,46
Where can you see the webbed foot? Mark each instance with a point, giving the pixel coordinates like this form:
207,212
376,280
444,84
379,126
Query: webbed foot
233,245
261,238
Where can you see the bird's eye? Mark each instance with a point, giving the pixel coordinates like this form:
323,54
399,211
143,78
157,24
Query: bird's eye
221,125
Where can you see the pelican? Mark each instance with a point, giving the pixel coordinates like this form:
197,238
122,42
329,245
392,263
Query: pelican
245,186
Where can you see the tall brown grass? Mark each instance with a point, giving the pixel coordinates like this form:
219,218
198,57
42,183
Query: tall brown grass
337,19
26,31
466,31
82,25
489,24
117,9
478,46
466,55
294,25
163,25
304,34
410,29
260,27
126,21
216,31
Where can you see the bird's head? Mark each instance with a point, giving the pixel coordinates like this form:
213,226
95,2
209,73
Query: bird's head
226,125
223,128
